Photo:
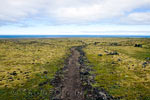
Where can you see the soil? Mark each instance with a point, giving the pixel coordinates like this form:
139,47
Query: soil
72,89
73,82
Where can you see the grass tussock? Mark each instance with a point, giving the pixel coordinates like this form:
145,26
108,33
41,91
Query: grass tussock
27,63
125,75
119,65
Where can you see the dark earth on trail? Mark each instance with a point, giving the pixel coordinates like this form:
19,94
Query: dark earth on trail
71,87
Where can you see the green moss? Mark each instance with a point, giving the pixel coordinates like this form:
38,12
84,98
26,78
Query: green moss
125,78
29,58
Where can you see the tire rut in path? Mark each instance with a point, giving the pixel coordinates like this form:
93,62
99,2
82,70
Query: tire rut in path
72,85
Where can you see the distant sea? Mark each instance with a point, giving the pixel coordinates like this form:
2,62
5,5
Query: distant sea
73,36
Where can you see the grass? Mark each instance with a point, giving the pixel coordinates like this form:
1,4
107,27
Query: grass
137,53
124,78
23,63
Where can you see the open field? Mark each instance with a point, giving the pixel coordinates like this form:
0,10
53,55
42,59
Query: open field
27,64
121,66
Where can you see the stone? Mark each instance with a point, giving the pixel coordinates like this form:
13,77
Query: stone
43,83
138,45
119,59
144,64
113,62
100,55
113,53
13,73
45,72
26,72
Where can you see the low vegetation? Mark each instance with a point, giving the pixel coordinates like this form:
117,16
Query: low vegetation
28,65
120,67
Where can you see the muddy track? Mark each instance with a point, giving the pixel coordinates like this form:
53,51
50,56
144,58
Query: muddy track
72,86
73,82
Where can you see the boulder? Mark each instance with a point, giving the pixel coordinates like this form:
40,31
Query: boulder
138,45
13,73
45,72
144,64
119,59
113,62
84,72
43,83
26,72
113,53
100,55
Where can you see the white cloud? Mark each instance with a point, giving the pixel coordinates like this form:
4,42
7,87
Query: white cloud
14,10
99,10
137,18
68,11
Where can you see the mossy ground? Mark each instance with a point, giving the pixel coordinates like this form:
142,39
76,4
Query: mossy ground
123,75
23,62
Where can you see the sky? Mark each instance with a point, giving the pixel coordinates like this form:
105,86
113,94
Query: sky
74,17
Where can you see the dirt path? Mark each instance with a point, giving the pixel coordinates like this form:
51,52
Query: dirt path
72,89
74,80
